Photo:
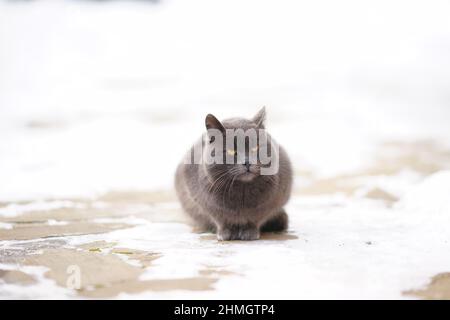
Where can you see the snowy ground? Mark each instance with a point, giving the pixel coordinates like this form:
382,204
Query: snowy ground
99,101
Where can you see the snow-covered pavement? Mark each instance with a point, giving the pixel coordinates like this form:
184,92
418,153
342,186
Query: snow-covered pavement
99,101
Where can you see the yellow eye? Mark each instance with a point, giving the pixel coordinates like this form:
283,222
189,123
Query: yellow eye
254,149
231,152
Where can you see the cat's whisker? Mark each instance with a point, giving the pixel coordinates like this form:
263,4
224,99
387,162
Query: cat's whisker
228,186
218,186
221,174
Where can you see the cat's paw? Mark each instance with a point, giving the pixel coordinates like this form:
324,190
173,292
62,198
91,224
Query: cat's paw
224,235
244,233
249,234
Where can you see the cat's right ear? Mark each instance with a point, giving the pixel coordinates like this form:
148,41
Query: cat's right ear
211,122
214,128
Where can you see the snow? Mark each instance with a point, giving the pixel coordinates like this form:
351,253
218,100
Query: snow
97,97
81,95
431,196
7,226
42,289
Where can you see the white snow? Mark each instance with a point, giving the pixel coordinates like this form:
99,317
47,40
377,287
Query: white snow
43,288
89,104
53,222
431,196
96,97
7,226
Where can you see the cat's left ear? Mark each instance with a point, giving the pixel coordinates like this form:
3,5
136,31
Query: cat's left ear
260,118
211,122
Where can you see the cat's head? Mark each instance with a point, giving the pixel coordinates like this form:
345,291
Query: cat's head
237,148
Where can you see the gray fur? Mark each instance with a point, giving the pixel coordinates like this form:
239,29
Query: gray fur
230,201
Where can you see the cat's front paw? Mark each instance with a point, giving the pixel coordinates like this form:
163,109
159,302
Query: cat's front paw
224,235
244,233
249,234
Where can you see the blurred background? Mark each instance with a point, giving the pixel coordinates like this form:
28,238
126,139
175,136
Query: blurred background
108,95
99,101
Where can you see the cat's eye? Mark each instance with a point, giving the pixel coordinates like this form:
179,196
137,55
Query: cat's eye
254,149
231,152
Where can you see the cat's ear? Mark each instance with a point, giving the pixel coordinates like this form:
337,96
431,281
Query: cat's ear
260,118
211,122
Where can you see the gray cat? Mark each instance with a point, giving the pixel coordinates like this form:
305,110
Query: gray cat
235,200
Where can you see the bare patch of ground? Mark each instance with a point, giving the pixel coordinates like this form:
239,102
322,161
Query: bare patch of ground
437,289
380,194
136,286
28,231
15,276
105,275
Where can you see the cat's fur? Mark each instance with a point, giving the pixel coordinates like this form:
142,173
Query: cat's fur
239,204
